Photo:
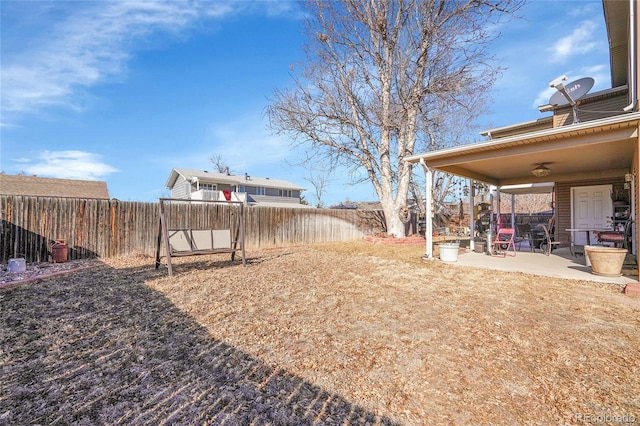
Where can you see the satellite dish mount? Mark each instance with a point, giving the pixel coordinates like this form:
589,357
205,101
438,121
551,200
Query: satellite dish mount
569,94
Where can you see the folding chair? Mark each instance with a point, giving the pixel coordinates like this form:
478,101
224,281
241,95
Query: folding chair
503,242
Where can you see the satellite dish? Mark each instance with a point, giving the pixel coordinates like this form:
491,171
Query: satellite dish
575,90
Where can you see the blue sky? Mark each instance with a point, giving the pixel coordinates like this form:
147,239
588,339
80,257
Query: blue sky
125,91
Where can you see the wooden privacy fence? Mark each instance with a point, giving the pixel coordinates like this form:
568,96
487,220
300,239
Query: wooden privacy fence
108,228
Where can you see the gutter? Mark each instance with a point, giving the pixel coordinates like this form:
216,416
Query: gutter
633,58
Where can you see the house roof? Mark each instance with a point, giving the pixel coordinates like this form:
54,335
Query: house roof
210,177
50,187
598,148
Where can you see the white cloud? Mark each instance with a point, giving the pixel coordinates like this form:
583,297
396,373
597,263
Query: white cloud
71,164
84,45
580,41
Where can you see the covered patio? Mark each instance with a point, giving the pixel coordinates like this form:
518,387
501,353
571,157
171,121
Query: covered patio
602,151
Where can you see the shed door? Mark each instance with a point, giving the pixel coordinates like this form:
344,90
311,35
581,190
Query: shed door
592,208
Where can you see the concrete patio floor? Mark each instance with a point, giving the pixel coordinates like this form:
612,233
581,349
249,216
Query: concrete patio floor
560,264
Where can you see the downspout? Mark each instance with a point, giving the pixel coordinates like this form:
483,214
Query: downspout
428,215
633,59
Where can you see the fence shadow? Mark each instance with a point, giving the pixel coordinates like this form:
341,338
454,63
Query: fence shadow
100,347
16,241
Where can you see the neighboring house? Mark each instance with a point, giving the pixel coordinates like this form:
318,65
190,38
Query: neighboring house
591,163
204,185
49,187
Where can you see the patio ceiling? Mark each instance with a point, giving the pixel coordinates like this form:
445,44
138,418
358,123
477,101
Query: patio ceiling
599,148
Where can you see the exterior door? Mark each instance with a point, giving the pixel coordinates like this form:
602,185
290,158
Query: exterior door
592,208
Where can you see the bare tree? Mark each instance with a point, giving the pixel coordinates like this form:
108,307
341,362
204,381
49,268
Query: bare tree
380,79
319,178
532,203
219,164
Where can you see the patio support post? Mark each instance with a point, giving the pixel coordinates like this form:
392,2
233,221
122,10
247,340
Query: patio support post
513,211
498,211
472,218
491,218
632,215
428,216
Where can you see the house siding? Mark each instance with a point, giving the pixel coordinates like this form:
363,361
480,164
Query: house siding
516,130
179,190
274,199
588,111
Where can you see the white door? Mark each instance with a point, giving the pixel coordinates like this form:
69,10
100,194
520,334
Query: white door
592,208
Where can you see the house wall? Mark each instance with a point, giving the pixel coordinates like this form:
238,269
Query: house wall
223,186
563,202
271,199
181,189
601,107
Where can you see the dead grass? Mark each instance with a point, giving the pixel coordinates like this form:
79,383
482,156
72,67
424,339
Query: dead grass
334,334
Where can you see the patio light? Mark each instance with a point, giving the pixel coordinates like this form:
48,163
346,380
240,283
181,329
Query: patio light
541,171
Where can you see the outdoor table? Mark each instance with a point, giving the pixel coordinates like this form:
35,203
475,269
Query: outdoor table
588,232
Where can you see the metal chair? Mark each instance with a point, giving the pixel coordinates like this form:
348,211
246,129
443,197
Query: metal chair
503,242
523,233
549,243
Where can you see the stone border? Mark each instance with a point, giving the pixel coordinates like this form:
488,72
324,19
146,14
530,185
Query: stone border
388,240
45,276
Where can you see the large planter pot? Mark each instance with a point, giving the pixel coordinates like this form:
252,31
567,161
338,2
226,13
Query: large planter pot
606,261
449,252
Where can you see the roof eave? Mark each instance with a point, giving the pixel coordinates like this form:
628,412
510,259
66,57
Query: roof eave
524,137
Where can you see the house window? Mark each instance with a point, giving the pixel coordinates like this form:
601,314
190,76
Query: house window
285,193
260,190
209,186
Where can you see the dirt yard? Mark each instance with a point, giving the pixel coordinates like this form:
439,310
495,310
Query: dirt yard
336,334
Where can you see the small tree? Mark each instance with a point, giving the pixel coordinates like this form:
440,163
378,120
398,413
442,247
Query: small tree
319,180
380,80
219,164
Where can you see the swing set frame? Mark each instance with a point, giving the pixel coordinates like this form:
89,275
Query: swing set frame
193,241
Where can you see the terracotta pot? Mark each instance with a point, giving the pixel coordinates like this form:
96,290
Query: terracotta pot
606,261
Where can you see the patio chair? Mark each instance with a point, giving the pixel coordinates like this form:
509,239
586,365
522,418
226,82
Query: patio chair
523,233
618,238
503,242
548,243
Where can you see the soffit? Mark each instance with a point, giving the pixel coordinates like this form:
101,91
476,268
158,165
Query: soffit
616,15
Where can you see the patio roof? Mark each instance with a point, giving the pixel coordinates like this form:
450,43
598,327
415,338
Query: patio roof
529,188
598,148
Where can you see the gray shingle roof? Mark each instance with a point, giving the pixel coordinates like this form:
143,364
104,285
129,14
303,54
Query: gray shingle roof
230,179
49,187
